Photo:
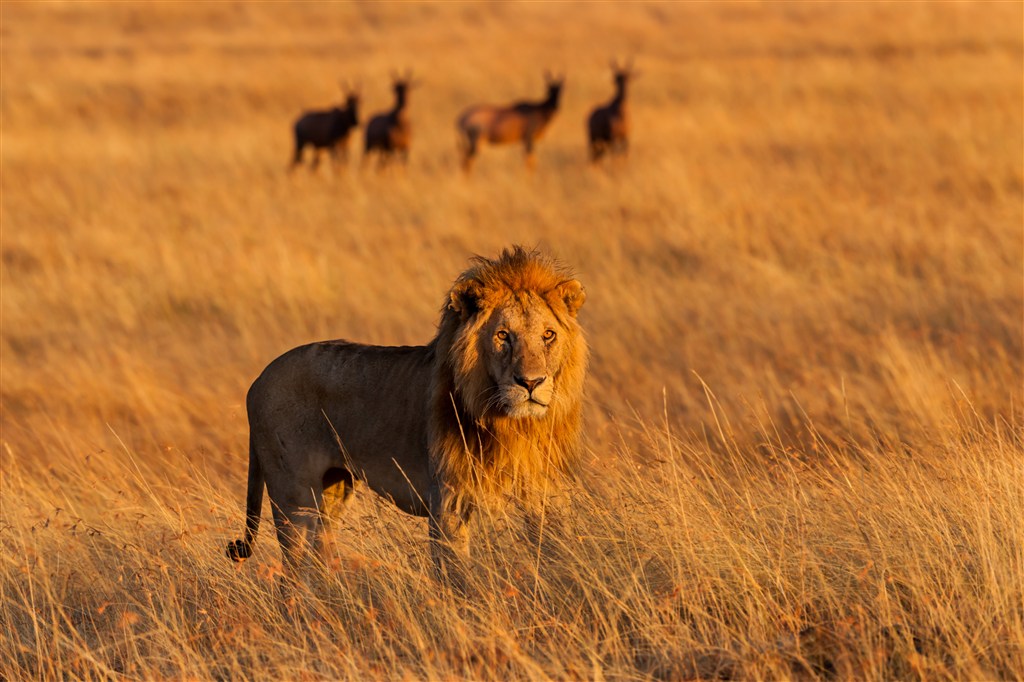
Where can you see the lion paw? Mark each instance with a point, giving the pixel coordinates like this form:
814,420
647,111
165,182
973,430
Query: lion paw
239,550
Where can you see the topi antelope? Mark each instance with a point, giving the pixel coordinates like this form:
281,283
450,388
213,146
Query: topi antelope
608,125
388,133
520,122
327,130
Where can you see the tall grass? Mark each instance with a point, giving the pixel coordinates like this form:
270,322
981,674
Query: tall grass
805,305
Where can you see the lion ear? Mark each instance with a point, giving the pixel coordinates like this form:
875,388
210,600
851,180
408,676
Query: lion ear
573,294
465,298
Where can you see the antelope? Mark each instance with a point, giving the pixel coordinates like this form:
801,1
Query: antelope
327,130
519,122
608,125
388,133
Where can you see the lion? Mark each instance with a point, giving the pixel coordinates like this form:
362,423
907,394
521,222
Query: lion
490,409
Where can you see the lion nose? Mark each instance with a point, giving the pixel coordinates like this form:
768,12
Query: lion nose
529,384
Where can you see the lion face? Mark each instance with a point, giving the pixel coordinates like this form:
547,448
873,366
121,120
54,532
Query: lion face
523,348
516,350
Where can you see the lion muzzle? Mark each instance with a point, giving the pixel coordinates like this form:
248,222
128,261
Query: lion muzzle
528,396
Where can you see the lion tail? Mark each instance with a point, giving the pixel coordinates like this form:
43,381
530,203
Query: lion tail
240,550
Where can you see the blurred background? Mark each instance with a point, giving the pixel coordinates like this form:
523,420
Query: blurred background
819,221
805,308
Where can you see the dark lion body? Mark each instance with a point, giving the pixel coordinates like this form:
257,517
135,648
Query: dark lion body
492,406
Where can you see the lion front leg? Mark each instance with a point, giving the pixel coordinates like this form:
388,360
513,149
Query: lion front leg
449,539
338,488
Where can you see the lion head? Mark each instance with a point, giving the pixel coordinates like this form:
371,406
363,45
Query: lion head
517,333
513,362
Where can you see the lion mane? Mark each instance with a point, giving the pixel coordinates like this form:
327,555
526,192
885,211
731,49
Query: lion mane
476,451
491,408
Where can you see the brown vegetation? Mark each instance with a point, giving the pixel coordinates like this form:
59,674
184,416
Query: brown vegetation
804,311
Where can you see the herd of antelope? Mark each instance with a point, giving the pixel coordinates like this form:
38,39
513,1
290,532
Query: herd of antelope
387,134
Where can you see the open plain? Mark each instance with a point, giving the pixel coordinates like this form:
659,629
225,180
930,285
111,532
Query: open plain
805,451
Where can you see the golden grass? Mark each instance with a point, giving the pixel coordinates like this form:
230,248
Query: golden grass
805,307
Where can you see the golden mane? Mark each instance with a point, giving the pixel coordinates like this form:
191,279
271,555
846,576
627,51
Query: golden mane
486,454
516,269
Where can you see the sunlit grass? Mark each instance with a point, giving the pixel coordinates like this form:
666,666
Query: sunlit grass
804,304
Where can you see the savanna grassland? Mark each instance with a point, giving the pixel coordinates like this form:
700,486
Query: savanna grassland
805,303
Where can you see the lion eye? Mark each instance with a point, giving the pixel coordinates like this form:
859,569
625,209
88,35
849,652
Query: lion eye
502,335
549,335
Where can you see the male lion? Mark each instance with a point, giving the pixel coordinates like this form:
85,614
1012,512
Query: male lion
492,406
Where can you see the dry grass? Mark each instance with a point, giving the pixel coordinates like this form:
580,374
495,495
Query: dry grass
805,304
